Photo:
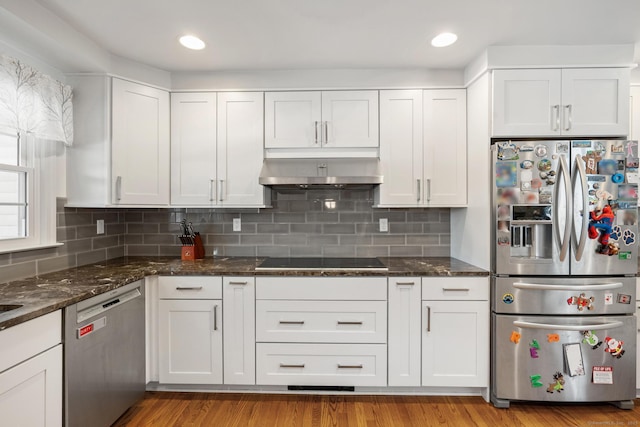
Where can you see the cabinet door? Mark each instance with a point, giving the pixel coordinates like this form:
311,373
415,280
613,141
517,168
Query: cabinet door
240,149
292,119
638,340
140,144
31,392
595,102
239,330
190,341
455,343
193,148
445,147
526,102
350,119
634,114
404,331
400,147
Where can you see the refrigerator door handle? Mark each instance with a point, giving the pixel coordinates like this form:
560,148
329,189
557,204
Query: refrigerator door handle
563,241
594,327
579,246
540,286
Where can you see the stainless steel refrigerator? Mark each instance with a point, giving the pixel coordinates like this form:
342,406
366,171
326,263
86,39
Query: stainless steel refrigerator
565,231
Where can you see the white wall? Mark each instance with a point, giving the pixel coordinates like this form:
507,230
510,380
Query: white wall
471,227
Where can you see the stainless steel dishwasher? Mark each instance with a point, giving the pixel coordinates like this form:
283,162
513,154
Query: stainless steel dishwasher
104,356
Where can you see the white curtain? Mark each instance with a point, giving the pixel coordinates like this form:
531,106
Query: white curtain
34,102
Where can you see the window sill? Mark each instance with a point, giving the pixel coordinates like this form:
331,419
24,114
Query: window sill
24,248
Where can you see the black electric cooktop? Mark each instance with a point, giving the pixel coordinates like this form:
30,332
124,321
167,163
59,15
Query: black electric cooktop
288,264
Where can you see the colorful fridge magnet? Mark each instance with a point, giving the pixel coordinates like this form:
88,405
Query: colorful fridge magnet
562,148
607,167
540,150
630,148
617,148
553,338
590,338
602,375
614,347
526,164
507,151
624,299
617,178
608,298
506,174
632,162
581,301
591,162
544,165
600,226
533,349
535,380
573,359
628,217
557,384
507,298
515,337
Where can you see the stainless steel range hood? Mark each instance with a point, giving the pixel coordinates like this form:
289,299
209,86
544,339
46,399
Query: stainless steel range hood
304,173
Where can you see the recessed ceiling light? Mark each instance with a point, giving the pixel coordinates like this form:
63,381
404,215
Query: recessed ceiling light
444,39
192,42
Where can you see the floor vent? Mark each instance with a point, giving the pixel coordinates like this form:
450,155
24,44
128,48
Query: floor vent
319,388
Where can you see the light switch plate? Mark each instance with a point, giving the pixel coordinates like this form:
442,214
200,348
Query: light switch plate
384,224
237,224
100,226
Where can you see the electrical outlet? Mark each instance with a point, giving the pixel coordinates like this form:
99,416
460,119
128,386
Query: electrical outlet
384,224
237,224
100,226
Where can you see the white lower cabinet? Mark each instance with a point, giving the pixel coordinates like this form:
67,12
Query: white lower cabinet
322,364
239,320
190,330
404,331
321,331
455,332
31,373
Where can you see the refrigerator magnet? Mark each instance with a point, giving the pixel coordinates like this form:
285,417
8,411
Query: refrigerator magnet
508,298
614,347
624,299
506,174
515,337
608,298
553,338
573,359
591,339
617,178
557,384
535,380
540,150
562,148
507,151
602,375
591,162
632,162
630,149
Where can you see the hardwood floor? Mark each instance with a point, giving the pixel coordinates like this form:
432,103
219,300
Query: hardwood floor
160,409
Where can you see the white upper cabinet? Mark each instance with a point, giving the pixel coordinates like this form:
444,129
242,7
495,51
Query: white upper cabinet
321,121
120,155
193,148
216,149
634,114
140,144
423,146
553,102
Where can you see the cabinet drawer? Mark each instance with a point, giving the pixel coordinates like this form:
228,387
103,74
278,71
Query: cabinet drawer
190,287
322,288
321,321
455,288
321,364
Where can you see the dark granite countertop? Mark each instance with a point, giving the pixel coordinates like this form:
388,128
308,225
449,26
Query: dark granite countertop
44,294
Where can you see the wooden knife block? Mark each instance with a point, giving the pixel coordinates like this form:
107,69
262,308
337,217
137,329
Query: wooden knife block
193,252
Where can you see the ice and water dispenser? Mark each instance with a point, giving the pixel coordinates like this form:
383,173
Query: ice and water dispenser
531,231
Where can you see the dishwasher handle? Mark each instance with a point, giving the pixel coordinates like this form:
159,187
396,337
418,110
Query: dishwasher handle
107,305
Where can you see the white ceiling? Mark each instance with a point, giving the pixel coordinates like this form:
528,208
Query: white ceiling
299,34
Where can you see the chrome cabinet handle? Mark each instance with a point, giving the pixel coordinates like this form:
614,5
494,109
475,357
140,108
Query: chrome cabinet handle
455,289
285,365
556,110
118,187
405,283
326,133
188,288
238,283
342,322
564,240
212,185
291,322
428,190
568,109
360,366
215,317
315,130
428,319
220,192
419,189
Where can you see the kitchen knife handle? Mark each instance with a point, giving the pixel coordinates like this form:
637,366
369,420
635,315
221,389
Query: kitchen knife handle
428,319
568,109
556,117
118,188
215,317
212,186
419,189
220,193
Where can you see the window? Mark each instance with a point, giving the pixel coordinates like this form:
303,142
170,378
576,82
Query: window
27,206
